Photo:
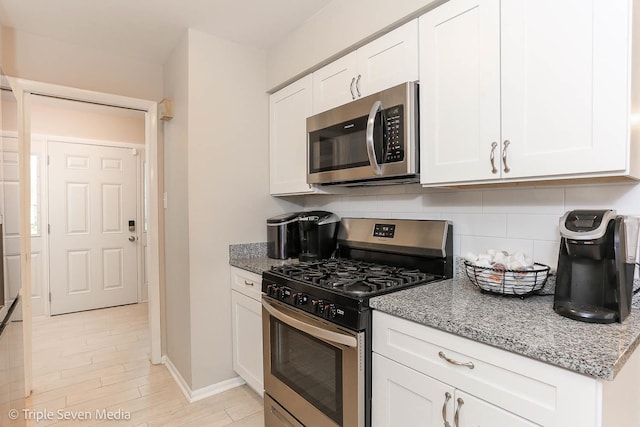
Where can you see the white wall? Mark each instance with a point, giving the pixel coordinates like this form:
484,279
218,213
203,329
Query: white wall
512,219
176,220
228,181
332,31
41,59
217,184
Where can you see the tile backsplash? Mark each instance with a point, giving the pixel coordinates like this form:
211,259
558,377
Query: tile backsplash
513,219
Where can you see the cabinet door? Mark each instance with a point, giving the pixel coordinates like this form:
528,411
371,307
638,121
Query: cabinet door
460,92
565,86
473,412
334,84
404,397
388,61
289,109
247,339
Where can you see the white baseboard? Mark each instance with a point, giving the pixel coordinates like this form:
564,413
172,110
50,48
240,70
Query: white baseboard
201,393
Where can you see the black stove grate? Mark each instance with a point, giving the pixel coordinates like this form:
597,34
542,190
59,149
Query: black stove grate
353,277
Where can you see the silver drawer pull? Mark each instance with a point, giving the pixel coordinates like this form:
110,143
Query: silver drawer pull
469,365
248,283
447,397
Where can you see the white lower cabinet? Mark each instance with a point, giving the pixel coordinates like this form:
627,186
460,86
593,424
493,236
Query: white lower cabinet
246,310
426,377
404,397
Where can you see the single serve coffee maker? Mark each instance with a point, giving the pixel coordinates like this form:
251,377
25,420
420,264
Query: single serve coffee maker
318,233
594,281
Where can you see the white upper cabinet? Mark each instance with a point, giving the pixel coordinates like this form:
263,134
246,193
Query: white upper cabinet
385,62
524,90
289,109
460,91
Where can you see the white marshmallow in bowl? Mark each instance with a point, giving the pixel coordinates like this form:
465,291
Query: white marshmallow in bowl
471,257
485,257
500,258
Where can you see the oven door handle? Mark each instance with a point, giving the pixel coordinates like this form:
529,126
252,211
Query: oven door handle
334,337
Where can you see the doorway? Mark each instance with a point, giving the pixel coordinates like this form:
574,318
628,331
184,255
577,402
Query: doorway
153,181
86,198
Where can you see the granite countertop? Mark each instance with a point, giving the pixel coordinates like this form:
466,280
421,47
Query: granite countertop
253,257
528,327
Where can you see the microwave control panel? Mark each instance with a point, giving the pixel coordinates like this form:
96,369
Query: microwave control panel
394,118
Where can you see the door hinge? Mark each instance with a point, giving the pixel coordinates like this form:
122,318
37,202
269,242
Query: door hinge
48,228
48,160
49,296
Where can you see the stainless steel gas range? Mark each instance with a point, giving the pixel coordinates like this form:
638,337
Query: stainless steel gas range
317,320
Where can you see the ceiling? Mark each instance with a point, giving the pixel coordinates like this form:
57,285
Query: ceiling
149,29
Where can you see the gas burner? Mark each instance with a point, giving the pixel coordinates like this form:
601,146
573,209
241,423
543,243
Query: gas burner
353,277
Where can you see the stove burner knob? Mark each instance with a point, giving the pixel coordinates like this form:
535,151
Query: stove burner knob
300,298
281,293
272,290
320,306
332,311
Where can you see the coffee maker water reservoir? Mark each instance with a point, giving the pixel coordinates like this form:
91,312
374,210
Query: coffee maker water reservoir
594,280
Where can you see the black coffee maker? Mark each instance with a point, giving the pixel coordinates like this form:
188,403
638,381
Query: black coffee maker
594,282
318,233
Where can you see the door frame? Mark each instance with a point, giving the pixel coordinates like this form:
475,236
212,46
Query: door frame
153,154
46,139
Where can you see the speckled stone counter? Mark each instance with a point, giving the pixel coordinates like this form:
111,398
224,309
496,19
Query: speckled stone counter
527,327
253,257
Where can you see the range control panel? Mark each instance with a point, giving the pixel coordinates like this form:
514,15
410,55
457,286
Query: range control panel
384,230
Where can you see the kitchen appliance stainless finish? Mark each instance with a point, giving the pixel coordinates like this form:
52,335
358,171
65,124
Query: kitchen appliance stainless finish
370,140
283,236
317,320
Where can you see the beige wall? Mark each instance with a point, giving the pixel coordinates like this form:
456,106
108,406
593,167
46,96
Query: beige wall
228,187
57,117
332,31
45,60
225,194
176,220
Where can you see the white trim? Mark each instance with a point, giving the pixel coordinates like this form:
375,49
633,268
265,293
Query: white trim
151,153
201,393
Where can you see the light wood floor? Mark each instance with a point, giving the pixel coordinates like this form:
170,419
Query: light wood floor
87,363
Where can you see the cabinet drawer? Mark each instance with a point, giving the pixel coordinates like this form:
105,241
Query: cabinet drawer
531,389
247,283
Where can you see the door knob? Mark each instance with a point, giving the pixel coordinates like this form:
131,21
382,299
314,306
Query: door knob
132,238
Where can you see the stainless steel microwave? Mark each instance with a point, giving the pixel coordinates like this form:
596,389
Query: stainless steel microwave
368,141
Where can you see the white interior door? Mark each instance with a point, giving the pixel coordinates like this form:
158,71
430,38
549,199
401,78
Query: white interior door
92,198
11,221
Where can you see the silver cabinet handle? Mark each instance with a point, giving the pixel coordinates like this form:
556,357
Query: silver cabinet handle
358,85
469,365
371,151
447,397
353,94
456,417
280,417
504,155
492,157
248,283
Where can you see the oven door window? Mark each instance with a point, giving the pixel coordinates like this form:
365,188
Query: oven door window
343,146
309,366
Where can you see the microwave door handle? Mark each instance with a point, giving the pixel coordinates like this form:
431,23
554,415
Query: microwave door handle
371,151
312,330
